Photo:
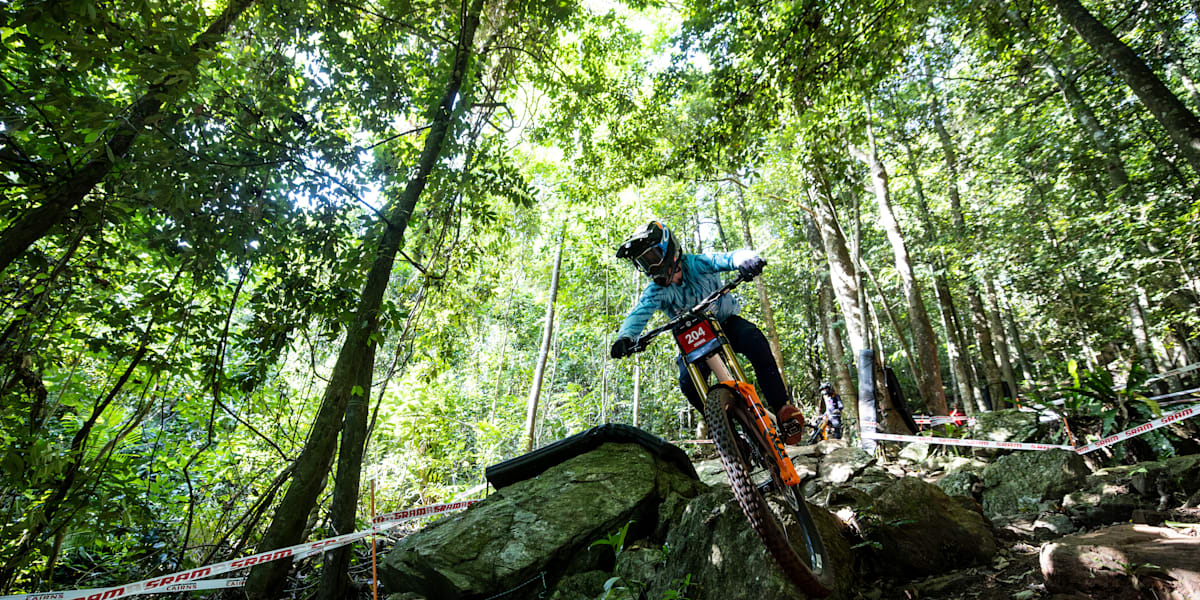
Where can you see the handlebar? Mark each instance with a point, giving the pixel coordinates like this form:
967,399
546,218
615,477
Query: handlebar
643,341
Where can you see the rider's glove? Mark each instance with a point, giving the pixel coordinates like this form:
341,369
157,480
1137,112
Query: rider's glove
749,263
622,347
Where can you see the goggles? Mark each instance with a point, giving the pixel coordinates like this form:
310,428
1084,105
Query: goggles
651,262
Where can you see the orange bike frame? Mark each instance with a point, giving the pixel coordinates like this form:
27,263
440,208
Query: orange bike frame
735,378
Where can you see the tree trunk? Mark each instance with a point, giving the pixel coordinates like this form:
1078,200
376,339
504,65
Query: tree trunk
335,580
843,275
535,389
1014,338
954,344
1002,349
1141,336
767,311
1101,140
63,196
987,350
312,465
839,369
929,376
1179,122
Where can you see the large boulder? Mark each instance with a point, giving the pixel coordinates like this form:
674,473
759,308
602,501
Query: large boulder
713,552
1025,482
842,464
541,528
917,529
1125,562
1112,495
1010,425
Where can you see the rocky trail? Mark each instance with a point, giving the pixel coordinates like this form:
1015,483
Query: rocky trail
910,522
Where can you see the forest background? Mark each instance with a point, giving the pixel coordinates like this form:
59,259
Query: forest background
256,254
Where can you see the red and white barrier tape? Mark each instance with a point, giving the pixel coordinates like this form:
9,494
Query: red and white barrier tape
169,583
1175,372
942,420
957,442
1142,429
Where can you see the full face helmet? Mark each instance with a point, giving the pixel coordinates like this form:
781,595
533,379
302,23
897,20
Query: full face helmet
653,250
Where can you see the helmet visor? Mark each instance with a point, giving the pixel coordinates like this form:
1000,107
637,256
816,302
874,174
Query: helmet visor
651,262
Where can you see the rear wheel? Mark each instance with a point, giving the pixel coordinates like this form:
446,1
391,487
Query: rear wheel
777,512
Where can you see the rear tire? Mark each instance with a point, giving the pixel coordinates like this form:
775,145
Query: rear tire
777,512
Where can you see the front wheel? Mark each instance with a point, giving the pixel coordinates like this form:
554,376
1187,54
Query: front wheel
777,512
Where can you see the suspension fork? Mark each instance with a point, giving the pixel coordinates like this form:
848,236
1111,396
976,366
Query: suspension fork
725,367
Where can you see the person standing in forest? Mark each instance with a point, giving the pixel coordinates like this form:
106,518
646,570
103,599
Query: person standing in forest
833,410
679,282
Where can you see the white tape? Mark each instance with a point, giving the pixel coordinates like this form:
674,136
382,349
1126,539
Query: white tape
167,583
1142,429
1175,372
957,442
1173,394
941,420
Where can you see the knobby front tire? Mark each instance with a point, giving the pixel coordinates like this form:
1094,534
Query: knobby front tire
778,513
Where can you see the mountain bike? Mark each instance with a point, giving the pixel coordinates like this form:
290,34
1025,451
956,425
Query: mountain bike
820,430
752,451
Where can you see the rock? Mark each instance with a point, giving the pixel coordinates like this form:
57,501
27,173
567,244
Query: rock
1036,528
712,473
1124,562
842,464
1113,495
1023,481
957,464
961,483
714,548
1010,425
1091,508
915,454
538,526
588,585
922,531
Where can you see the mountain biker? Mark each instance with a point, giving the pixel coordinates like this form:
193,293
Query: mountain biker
833,410
680,281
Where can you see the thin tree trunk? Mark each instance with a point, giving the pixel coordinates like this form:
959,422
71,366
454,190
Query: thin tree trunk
987,350
929,375
335,580
1002,349
1101,140
1014,338
312,466
63,196
535,389
954,344
767,311
1180,123
841,267
983,336
835,350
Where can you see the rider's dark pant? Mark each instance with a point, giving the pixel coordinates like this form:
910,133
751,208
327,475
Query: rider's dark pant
747,340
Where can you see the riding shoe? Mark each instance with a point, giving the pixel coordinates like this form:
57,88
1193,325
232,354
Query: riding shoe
791,425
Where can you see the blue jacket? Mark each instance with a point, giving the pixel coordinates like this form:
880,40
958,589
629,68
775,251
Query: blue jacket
701,277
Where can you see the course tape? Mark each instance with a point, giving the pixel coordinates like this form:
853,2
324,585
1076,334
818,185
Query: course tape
1142,429
167,583
1162,421
957,442
942,420
1192,367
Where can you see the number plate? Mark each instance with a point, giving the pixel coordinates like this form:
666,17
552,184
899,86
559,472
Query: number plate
695,337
